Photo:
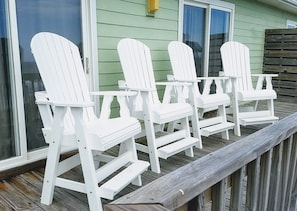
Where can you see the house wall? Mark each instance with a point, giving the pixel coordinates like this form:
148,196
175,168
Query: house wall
251,19
118,19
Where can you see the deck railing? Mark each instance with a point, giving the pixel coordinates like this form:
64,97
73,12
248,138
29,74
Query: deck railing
257,172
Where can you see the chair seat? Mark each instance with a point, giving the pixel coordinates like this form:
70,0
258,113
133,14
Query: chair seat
111,132
162,113
256,95
212,100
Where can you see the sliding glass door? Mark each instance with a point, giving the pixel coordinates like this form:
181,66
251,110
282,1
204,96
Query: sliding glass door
205,27
21,139
59,16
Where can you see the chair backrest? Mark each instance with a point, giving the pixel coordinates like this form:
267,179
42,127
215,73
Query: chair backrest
60,67
136,61
182,63
236,62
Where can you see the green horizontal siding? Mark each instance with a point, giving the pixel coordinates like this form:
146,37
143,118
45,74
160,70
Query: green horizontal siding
118,19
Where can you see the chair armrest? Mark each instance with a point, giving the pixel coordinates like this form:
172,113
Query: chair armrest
214,78
108,97
123,86
220,84
265,75
73,104
43,99
175,83
261,78
171,79
113,93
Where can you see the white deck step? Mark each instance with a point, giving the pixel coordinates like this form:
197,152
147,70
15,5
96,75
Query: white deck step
122,179
258,120
176,147
207,131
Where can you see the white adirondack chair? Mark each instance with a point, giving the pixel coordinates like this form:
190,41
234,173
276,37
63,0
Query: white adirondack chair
137,66
236,64
183,66
70,123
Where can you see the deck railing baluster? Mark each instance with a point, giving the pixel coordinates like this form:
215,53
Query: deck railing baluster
253,180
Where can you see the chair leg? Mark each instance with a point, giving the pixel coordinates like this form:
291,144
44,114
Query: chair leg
50,173
129,145
236,117
89,174
270,106
152,148
222,113
87,162
53,158
185,126
195,120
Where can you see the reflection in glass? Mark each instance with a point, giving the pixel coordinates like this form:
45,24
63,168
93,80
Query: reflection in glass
7,141
219,33
59,16
193,34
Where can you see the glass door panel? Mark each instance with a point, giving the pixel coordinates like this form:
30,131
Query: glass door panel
59,16
7,144
193,34
219,33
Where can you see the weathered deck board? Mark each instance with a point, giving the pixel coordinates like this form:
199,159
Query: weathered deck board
22,192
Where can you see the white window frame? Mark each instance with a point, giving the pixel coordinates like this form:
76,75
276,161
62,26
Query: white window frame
291,23
208,5
89,31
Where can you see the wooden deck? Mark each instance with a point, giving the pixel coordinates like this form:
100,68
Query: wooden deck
22,192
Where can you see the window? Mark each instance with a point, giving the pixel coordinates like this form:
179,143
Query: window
291,24
205,27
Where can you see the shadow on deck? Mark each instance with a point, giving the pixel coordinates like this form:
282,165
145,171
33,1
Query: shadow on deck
22,192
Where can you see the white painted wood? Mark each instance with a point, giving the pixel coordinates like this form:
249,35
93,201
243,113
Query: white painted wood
176,147
121,180
183,66
69,120
236,64
210,130
138,71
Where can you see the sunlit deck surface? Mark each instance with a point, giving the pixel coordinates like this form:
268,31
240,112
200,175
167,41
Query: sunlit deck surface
22,192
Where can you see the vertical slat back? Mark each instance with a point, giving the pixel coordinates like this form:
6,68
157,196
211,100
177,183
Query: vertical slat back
60,67
236,62
137,66
182,63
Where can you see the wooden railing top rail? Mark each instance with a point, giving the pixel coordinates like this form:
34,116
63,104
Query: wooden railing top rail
180,186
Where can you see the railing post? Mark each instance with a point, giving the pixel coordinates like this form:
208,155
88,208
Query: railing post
275,178
291,197
253,180
218,195
237,189
197,203
285,172
264,180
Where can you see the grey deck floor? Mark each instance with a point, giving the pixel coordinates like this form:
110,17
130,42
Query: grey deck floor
22,192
